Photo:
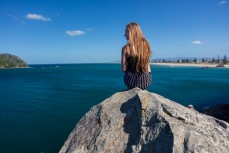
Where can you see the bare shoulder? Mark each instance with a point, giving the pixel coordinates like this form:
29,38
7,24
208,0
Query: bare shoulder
125,49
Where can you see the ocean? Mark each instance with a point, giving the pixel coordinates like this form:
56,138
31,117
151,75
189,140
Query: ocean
40,105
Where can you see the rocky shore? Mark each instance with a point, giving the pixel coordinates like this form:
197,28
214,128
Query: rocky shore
219,111
140,121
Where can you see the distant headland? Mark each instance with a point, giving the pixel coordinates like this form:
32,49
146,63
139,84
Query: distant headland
11,61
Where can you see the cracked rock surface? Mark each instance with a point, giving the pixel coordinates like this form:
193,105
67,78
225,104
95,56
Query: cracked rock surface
142,122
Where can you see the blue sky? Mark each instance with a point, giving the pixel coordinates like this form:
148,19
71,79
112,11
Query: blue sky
84,31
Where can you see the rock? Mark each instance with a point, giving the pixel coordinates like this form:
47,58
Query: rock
220,65
219,111
140,121
191,106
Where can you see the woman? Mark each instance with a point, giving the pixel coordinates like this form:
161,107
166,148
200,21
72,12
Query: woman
135,58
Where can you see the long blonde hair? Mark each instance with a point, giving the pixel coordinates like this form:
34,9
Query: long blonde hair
138,47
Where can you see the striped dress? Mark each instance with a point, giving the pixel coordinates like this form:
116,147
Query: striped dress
134,79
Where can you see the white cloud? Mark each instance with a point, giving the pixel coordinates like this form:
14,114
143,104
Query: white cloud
75,32
37,17
222,2
197,42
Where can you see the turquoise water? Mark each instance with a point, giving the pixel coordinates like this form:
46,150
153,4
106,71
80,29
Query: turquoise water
40,106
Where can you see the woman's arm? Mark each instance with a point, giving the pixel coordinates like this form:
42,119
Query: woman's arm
149,70
124,63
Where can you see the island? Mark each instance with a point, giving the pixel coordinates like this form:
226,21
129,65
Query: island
11,61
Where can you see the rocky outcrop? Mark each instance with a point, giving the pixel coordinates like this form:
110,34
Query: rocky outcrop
140,121
219,111
220,65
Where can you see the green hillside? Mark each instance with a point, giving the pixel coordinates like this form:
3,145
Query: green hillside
11,61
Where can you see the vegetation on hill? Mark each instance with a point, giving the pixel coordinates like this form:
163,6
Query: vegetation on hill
11,61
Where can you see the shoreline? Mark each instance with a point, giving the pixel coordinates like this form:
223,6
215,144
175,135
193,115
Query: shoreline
14,68
202,65
189,65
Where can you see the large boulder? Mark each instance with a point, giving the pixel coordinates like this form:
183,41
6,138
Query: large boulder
140,121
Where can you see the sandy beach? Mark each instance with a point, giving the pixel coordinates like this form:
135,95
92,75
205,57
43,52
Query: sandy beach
189,64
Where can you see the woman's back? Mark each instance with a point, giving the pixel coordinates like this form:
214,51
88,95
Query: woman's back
132,63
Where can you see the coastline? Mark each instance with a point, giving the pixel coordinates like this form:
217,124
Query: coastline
202,65
189,65
14,68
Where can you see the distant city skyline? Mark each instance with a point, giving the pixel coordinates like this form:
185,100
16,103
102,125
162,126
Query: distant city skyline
92,31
